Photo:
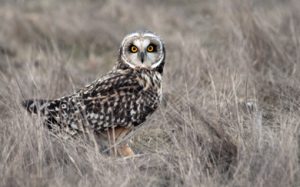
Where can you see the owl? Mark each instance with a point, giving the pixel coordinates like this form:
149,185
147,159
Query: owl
117,103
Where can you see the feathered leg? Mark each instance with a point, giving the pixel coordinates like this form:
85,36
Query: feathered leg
116,134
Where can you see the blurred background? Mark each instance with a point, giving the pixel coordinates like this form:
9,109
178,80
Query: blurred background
230,112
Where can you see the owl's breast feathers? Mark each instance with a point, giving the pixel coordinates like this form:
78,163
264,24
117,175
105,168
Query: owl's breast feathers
122,98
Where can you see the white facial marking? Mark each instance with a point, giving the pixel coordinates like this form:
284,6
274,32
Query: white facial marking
142,44
142,41
128,37
157,63
150,35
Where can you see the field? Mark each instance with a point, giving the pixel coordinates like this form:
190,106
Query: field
230,112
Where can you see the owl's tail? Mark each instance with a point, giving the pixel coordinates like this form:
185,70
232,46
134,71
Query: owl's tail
35,106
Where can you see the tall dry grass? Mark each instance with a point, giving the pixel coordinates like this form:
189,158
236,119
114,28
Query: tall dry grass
230,114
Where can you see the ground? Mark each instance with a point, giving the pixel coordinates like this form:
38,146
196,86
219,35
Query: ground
230,112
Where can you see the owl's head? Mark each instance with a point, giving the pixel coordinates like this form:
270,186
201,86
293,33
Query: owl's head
142,49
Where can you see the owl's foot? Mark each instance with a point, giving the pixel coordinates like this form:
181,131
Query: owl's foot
125,150
122,149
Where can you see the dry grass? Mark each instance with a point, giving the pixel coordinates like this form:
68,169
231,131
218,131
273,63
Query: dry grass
230,115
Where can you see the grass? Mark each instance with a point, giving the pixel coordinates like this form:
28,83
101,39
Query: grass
230,114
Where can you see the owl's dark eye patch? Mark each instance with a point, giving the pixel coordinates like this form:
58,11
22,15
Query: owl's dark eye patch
152,48
132,48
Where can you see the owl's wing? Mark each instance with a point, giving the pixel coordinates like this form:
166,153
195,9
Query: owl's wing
118,101
64,104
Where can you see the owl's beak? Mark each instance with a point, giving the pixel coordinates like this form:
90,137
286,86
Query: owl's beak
142,57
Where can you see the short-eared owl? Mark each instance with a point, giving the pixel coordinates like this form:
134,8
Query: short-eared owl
116,103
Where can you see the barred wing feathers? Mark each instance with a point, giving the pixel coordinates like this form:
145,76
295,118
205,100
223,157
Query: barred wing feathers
120,99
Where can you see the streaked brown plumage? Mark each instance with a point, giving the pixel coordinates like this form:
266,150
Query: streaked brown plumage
117,102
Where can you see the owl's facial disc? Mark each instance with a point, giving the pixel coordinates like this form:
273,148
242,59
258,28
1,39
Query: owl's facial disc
143,50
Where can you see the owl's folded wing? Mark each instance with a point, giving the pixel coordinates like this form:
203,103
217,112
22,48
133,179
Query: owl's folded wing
119,101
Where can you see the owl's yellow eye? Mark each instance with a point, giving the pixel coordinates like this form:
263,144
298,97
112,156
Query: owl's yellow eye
133,49
150,48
